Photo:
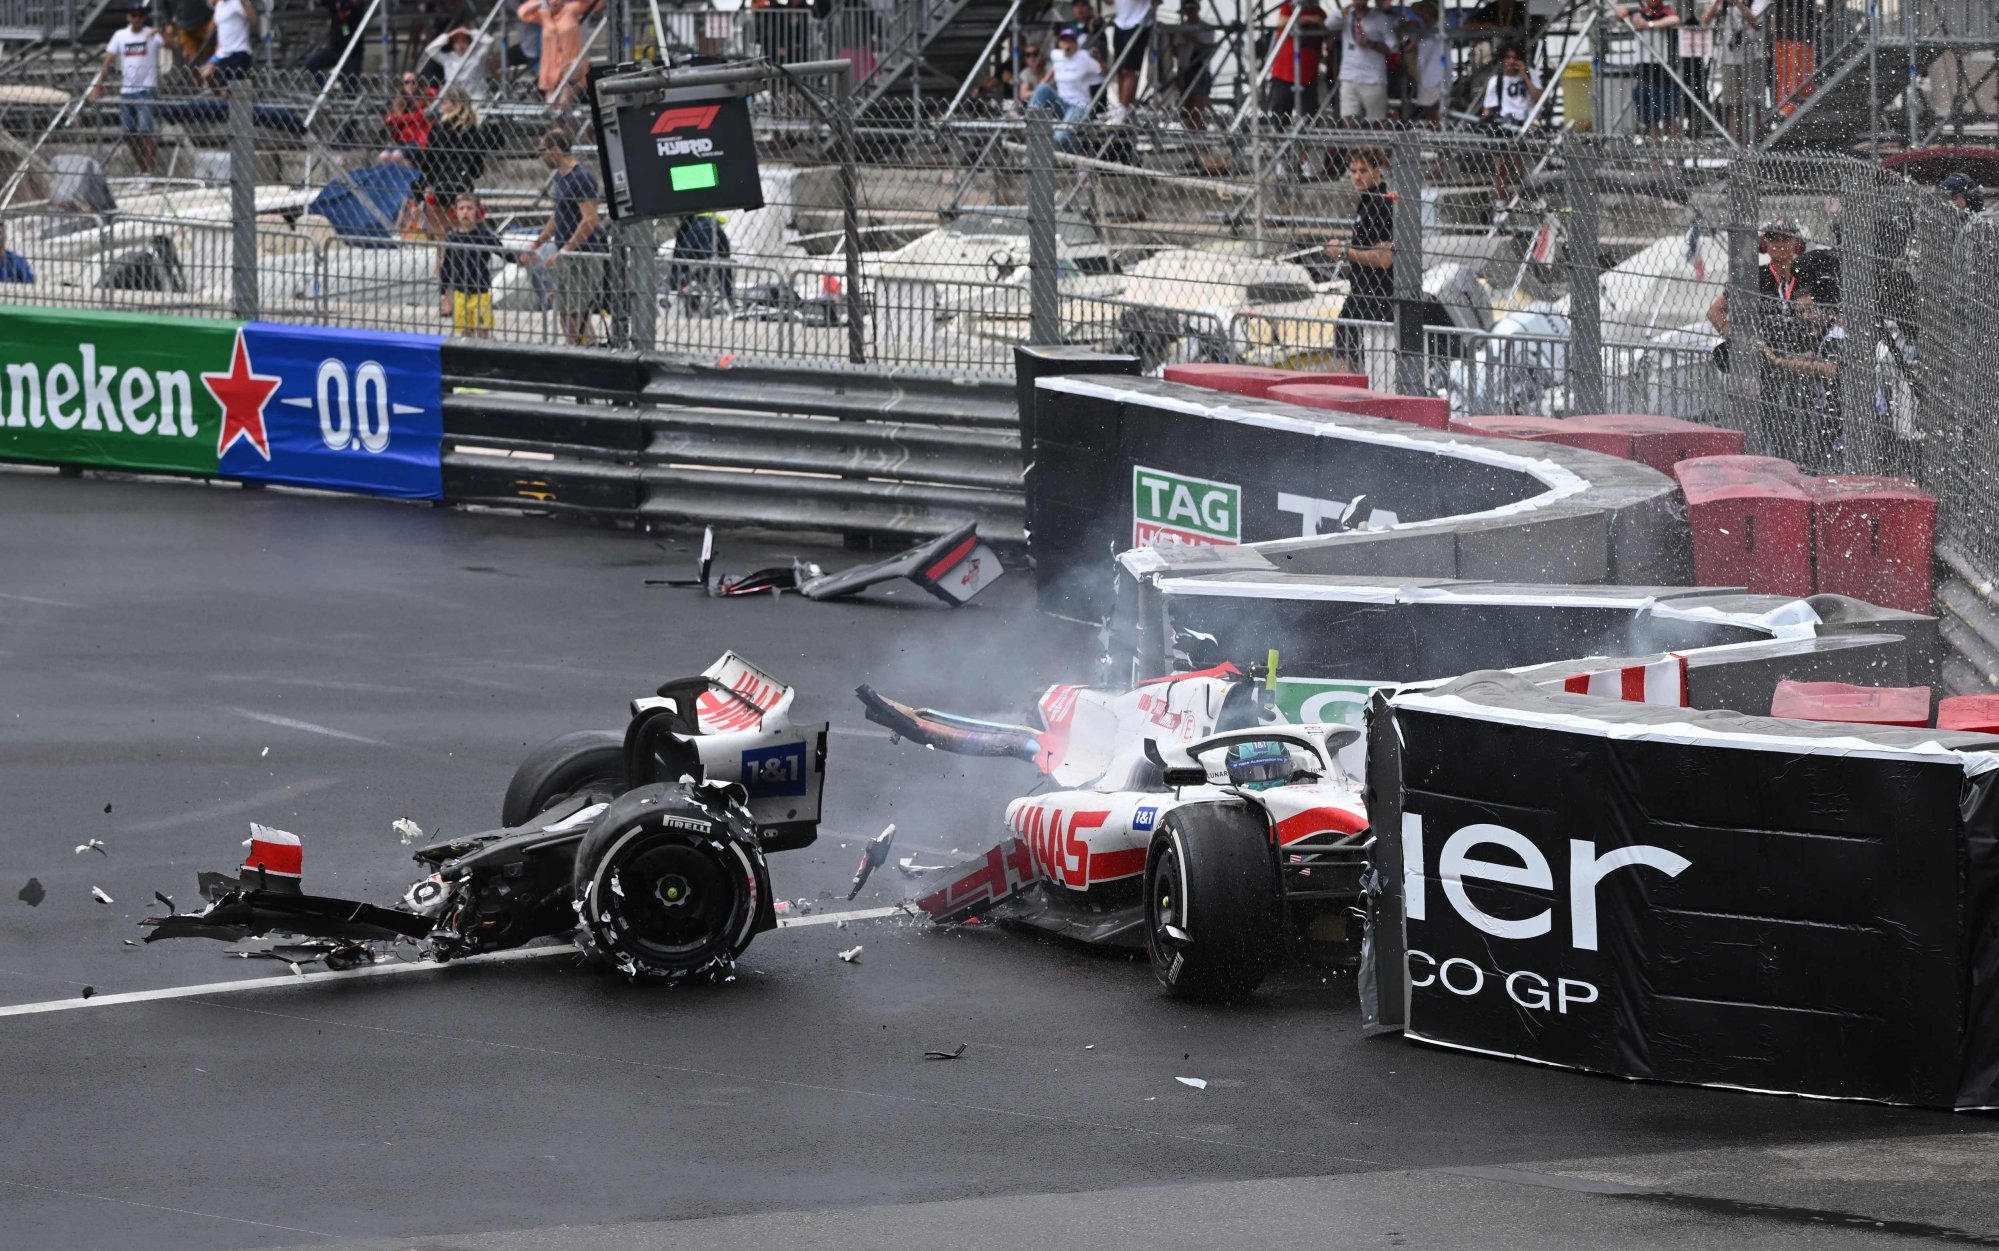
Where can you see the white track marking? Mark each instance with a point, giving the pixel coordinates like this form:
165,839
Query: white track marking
377,970
249,803
39,600
289,723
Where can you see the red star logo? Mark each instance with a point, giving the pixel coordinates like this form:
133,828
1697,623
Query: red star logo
242,392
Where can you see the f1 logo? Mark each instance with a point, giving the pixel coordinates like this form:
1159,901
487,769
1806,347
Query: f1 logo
695,117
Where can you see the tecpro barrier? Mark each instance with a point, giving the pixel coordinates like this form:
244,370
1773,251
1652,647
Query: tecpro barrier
345,410
1693,896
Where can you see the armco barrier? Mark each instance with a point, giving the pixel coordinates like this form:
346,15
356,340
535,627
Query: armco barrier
1692,896
622,435
344,410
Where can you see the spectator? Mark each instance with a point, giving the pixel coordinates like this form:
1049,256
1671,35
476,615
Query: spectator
13,266
465,268
1370,258
1193,45
453,158
1656,96
408,118
1791,323
466,60
1738,50
1427,63
700,273
1792,26
1510,96
343,19
235,22
135,51
1294,69
1084,18
1366,34
1131,34
570,243
1069,81
1963,193
189,24
561,23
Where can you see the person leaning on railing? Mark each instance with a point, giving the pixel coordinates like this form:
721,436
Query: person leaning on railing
570,244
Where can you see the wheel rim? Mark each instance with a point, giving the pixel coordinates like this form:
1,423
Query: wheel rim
1165,902
672,901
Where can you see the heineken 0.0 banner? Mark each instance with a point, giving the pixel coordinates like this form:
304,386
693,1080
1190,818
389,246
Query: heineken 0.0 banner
346,410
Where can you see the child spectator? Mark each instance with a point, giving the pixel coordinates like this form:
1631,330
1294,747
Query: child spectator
465,268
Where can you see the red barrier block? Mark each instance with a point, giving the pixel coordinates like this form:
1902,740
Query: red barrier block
1418,410
1864,705
1751,521
1873,539
1504,427
1662,442
1974,714
1253,379
1546,430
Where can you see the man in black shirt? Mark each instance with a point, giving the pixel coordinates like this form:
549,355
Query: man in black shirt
1370,257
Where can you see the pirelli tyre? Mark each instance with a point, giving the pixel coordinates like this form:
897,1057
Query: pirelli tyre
1212,923
588,762
668,887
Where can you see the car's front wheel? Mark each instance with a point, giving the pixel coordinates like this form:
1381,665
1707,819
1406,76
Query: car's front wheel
1212,925
665,887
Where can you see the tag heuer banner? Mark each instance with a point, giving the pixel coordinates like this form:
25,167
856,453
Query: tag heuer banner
1692,896
345,410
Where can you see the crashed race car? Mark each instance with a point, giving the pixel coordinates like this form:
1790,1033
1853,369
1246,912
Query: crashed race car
1186,820
649,844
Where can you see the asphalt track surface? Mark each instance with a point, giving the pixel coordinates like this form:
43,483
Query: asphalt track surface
178,660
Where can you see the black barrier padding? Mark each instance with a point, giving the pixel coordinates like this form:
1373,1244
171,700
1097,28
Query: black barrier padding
1978,1075
1073,566
1073,420
1074,477
1793,922
1381,1000
1033,363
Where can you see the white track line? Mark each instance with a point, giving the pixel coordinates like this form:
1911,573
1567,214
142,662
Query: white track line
308,727
377,970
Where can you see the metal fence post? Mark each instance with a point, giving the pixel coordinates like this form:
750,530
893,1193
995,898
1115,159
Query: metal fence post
850,215
1859,238
1043,298
1585,296
641,247
1745,372
1405,178
243,202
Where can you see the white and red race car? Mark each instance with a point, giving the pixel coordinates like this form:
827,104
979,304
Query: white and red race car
1187,821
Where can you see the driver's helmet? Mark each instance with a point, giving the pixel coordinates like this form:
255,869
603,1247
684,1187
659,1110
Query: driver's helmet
1259,765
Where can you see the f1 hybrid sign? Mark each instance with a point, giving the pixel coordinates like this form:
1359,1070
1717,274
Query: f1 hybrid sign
677,153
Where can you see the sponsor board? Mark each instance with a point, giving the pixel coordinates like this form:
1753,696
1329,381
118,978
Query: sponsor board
1325,701
345,410
1180,508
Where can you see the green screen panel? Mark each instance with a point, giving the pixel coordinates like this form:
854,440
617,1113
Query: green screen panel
694,177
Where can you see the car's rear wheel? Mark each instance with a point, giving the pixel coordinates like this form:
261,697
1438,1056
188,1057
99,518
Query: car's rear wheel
1211,908
582,762
664,888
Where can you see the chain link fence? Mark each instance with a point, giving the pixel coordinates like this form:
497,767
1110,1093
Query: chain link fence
1839,313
